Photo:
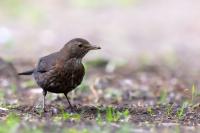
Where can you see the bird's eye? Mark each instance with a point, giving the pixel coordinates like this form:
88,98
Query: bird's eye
80,45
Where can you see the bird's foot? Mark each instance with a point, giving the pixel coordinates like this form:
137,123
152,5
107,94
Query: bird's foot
72,109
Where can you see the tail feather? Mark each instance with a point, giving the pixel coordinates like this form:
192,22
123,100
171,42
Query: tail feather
27,72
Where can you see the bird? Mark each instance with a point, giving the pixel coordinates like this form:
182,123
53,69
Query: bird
62,71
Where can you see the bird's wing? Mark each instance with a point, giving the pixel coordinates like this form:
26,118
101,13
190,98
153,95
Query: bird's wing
46,63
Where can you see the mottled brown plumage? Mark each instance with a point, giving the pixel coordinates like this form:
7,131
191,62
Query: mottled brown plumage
62,71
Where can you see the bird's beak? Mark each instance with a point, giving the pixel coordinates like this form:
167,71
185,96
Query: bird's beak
93,47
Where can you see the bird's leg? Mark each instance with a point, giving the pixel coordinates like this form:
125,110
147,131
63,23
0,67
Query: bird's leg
43,104
72,109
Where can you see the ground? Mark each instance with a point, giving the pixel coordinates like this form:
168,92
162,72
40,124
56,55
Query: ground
145,96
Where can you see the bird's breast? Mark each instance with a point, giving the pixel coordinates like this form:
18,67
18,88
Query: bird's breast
64,78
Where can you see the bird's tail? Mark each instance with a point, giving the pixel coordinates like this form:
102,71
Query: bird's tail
27,72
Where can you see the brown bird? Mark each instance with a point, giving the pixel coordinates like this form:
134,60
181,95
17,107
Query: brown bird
62,71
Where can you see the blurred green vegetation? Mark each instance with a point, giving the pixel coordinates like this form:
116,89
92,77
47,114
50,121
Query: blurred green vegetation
10,125
21,9
16,7
13,124
99,62
29,84
150,111
100,3
2,94
112,115
181,111
163,96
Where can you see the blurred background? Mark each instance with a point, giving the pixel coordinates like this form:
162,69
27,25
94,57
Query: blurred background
125,29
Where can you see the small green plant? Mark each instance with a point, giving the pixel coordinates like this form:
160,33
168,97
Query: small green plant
194,93
67,116
126,113
180,112
169,110
113,115
150,111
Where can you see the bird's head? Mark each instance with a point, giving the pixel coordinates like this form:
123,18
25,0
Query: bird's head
78,48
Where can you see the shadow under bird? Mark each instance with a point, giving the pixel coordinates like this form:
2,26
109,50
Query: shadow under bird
62,71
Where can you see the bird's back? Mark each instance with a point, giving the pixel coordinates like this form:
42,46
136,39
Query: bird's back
57,75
